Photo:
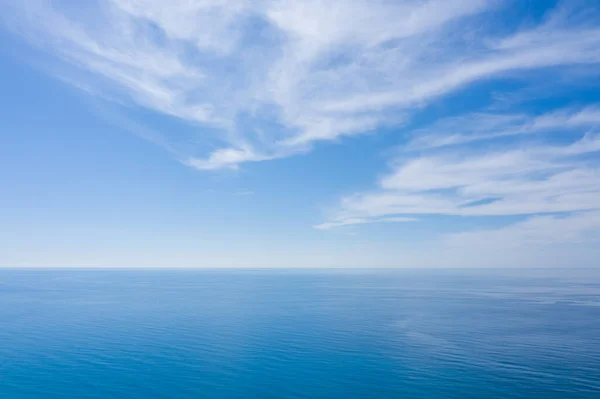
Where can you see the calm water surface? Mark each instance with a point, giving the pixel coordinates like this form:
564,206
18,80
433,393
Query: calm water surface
299,334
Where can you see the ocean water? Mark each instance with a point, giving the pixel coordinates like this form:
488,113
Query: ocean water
299,334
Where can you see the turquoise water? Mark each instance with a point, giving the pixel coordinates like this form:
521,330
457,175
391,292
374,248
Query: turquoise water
299,334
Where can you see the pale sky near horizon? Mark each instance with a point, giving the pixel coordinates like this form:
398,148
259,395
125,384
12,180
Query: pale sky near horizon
300,133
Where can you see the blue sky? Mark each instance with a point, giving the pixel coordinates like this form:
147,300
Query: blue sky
283,133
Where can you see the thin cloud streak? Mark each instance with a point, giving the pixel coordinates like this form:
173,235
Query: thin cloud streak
357,221
487,126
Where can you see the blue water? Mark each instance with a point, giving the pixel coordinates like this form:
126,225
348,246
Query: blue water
299,334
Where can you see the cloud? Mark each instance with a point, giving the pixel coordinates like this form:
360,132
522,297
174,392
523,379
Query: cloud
355,221
226,158
522,180
487,126
270,78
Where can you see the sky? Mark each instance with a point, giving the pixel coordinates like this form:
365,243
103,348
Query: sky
300,133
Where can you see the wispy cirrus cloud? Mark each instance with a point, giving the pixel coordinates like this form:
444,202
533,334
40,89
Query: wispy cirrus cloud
357,221
272,77
525,180
474,127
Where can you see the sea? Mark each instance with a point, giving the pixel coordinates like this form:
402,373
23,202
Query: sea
339,333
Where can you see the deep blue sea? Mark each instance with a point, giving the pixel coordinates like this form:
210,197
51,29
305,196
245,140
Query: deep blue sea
299,334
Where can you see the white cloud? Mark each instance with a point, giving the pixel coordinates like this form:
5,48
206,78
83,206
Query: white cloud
355,221
485,126
226,158
272,77
522,181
